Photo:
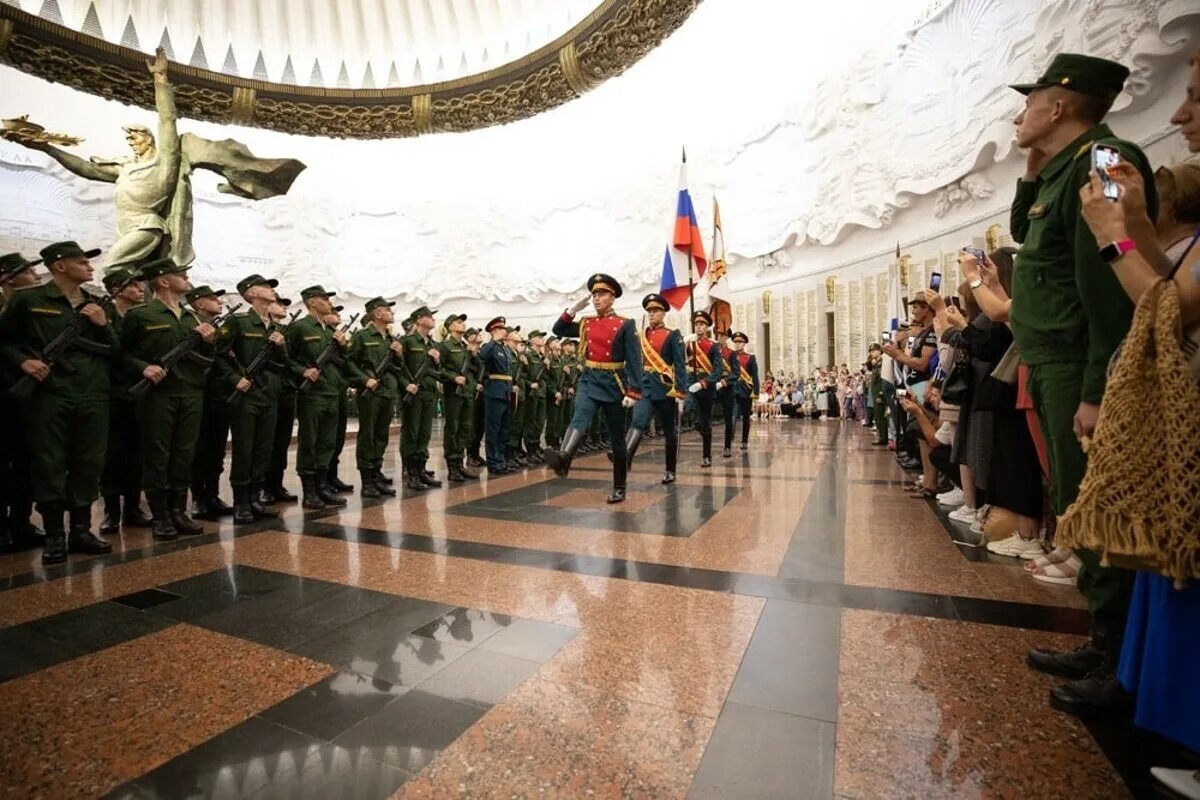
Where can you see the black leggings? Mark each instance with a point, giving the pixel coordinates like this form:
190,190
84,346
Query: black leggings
940,458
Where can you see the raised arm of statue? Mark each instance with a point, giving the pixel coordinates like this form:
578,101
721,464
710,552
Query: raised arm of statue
104,171
164,102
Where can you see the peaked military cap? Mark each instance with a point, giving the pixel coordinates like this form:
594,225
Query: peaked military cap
471,332
423,311
536,334
119,277
1089,75
704,315
739,336
53,252
203,291
160,267
377,302
605,283
496,322
654,301
14,264
315,291
250,281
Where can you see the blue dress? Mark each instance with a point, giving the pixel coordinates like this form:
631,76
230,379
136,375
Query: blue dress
1161,656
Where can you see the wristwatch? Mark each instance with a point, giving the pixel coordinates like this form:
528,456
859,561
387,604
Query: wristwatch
1114,250
975,284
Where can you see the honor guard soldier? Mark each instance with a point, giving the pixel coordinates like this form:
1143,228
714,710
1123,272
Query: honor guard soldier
67,413
16,487
122,477
477,377
745,384
214,419
285,419
497,395
254,365
420,374
611,380
317,405
725,394
664,382
374,351
707,368
348,375
170,411
458,395
536,377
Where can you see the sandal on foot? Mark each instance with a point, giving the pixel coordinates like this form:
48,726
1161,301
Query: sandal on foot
1056,556
1063,574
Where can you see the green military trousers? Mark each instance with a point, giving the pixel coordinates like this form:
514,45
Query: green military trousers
375,413
1056,390
553,420
516,424
419,410
457,432
535,423
170,426
122,459
317,436
879,410
252,420
67,436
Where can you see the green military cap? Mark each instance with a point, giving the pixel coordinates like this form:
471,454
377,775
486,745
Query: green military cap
250,281
315,291
283,301
119,277
455,318
406,324
471,332
336,309
14,264
377,302
53,252
423,311
159,267
203,291
536,334
1089,75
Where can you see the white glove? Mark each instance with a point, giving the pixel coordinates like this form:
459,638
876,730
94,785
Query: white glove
628,402
720,385
695,387
691,338
579,305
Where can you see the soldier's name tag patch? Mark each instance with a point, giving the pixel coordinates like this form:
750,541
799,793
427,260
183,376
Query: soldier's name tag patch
163,327
312,338
1037,211
254,335
371,344
418,350
52,312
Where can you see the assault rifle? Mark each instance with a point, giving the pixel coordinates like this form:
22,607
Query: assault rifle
185,349
416,379
382,365
326,355
71,336
259,362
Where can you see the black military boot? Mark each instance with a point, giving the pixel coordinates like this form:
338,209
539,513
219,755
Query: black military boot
453,471
382,485
81,539
264,498
281,494
380,477
259,509
184,525
54,551
112,514
337,484
1097,696
199,494
370,488
328,494
412,478
560,460
467,474
161,526
1073,664
475,461
618,491
312,498
132,515
706,440
633,437
216,506
427,476
242,515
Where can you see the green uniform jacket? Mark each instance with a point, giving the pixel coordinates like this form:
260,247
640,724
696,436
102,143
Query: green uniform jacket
34,316
122,379
416,352
305,339
1067,305
367,348
535,372
518,371
455,361
553,377
242,338
149,332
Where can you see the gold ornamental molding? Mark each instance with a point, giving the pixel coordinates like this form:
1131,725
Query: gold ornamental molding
601,46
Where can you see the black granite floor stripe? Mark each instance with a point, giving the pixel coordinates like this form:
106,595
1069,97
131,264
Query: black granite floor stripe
716,469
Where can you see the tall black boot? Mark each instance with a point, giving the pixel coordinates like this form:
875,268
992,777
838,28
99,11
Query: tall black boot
454,471
426,476
200,509
560,460
412,478
337,484
312,499
618,491
112,514
382,485
161,526
467,474
633,437
216,506
706,441
55,549
185,525
81,539
672,458
328,494
1099,695
242,515
370,489
131,512
259,509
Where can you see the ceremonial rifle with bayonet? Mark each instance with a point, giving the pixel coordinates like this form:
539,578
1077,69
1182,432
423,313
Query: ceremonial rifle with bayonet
326,355
259,362
185,349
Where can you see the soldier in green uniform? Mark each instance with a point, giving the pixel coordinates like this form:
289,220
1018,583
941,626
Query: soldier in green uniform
519,369
374,350
554,383
213,438
16,488
458,396
1068,315
348,375
535,413
170,412
256,402
122,477
477,399
572,368
285,420
67,414
316,405
419,373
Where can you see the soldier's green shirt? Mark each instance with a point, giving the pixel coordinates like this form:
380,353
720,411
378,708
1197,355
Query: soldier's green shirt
32,318
368,348
456,360
1067,304
149,332
415,353
306,338
243,337
518,371
553,377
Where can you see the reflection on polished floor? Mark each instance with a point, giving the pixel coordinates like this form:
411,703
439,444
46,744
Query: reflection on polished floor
786,624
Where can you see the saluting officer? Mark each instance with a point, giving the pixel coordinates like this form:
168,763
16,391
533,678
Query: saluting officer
419,371
213,438
664,378
170,412
537,374
458,395
745,385
708,367
374,350
252,412
497,394
611,380
285,420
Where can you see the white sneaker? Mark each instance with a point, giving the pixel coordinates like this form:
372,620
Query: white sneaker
1016,547
951,499
964,514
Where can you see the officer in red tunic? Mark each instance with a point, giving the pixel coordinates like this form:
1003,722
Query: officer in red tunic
664,377
707,368
611,379
745,384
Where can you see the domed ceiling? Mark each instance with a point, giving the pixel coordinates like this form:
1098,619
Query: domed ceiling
345,68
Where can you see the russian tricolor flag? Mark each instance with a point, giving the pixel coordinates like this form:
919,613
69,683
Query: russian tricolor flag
685,240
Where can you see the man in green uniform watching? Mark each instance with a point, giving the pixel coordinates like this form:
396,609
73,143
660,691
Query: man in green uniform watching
170,411
67,414
1068,315
285,420
518,365
373,351
554,387
420,374
348,375
458,396
537,374
212,441
477,399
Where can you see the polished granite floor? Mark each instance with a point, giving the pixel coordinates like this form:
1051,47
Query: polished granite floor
787,624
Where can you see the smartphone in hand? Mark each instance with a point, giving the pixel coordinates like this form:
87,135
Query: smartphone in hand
935,281
1103,158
